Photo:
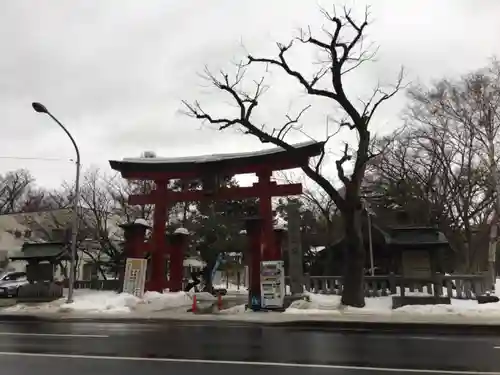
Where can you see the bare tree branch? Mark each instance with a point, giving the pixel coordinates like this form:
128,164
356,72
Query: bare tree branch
340,47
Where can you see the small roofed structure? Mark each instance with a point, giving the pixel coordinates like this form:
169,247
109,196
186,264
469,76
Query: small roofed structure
42,259
401,250
418,251
40,252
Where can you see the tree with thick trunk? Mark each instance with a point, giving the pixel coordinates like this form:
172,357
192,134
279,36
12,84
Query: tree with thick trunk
341,52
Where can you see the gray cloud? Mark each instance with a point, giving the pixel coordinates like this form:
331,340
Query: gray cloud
114,71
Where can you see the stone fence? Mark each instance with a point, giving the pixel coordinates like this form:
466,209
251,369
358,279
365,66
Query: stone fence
453,286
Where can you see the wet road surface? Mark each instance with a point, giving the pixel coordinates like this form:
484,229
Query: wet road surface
86,348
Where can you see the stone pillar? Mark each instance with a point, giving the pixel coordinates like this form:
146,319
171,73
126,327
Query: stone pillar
178,245
159,249
295,257
254,233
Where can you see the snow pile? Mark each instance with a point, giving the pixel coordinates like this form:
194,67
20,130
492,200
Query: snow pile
457,307
313,304
92,301
109,302
239,309
154,301
36,308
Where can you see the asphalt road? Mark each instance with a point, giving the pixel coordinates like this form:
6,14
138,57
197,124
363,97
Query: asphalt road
87,348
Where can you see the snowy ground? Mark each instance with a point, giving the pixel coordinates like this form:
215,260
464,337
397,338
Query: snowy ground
311,307
326,304
91,301
329,307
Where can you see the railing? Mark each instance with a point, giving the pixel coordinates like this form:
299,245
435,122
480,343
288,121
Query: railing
453,286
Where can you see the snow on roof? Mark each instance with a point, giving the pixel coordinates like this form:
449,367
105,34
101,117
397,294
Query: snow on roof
193,262
181,231
316,249
280,223
141,221
213,157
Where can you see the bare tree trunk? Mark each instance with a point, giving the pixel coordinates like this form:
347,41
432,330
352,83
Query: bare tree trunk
354,259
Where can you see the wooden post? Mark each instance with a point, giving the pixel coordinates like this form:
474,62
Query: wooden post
295,258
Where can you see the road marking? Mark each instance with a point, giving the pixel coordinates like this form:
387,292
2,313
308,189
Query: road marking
245,363
51,335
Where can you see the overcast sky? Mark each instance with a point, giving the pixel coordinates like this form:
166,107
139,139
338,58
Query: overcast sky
114,71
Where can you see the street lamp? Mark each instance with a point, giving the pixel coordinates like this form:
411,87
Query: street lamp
40,108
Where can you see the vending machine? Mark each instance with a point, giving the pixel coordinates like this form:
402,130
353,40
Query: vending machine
272,284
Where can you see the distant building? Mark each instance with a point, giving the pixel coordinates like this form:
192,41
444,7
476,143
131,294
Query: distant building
49,226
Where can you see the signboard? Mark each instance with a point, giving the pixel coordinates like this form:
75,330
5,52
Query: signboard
272,284
135,276
416,264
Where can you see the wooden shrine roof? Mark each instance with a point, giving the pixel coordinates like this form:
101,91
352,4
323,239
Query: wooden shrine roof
274,159
42,251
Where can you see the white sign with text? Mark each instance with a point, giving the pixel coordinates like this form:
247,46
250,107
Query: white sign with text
135,276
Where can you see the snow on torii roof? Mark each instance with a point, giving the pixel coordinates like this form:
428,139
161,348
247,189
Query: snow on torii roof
227,162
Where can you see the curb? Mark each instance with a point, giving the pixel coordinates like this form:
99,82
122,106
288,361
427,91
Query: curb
458,329
340,326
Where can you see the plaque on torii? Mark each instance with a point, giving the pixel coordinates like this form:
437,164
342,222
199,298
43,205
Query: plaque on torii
210,169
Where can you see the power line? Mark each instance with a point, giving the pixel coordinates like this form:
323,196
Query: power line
34,158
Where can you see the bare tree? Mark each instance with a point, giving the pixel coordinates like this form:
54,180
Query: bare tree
341,51
441,168
320,204
470,107
14,187
99,215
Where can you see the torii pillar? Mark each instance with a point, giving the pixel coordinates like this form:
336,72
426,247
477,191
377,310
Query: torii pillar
158,281
269,252
254,256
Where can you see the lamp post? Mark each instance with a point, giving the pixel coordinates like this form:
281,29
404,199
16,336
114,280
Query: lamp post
40,108
369,212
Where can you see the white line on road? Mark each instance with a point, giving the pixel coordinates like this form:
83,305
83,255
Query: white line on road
244,363
51,335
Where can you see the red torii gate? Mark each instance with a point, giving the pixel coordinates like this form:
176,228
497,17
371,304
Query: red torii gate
162,170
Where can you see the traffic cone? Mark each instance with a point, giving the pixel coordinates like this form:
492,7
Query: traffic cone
194,307
219,302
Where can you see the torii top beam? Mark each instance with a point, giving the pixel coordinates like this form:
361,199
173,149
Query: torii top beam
222,164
